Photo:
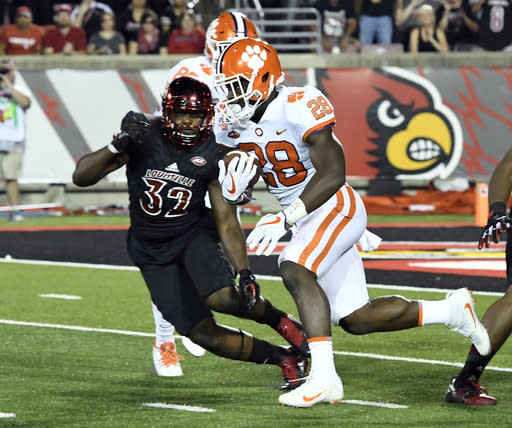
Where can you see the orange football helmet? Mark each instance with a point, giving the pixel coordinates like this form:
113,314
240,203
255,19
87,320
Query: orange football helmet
224,30
246,74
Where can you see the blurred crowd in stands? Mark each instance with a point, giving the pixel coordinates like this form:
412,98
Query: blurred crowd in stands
140,27
416,25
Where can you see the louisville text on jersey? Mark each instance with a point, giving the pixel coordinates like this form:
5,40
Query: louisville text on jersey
170,176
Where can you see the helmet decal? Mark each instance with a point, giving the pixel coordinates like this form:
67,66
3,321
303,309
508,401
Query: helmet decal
246,74
226,29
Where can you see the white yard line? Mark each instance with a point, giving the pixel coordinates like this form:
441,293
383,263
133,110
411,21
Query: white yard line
414,360
66,264
266,277
376,404
77,328
206,409
401,287
140,333
180,407
430,290
7,415
60,296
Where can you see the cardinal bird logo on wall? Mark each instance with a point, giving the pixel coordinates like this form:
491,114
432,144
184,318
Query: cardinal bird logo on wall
392,123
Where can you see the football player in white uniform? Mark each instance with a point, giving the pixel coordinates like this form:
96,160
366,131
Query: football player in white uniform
303,164
225,29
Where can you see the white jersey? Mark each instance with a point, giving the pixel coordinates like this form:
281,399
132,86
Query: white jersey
278,139
199,68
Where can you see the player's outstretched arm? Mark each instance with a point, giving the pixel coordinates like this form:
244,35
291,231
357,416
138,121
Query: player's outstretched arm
92,167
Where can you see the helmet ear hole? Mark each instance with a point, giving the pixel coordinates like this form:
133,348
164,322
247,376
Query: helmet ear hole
265,77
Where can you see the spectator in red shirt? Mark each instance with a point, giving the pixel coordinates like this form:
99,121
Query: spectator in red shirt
188,39
23,37
63,37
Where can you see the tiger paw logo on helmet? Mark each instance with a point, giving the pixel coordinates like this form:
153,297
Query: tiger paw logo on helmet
255,57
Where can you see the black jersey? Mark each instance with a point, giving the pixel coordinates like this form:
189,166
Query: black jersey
167,185
496,24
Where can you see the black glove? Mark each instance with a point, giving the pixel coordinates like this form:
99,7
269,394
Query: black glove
249,288
121,140
136,125
498,222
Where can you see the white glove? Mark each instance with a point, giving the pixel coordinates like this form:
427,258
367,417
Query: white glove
239,173
267,232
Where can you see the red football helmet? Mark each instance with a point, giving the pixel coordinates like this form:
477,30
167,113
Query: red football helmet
224,30
246,74
187,96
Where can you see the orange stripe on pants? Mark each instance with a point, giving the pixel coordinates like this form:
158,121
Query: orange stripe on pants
321,230
336,232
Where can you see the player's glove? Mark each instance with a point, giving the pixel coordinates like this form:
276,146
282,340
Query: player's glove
249,288
120,142
236,177
136,125
497,223
267,233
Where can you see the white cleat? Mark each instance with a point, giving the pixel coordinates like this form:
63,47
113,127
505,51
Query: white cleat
193,348
311,393
167,360
464,320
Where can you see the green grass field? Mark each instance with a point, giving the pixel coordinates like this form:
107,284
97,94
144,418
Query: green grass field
57,377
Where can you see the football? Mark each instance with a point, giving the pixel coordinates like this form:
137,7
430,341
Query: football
235,154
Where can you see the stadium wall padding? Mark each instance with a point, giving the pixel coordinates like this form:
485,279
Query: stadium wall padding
403,122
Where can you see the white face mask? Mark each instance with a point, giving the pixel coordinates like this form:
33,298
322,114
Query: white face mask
239,100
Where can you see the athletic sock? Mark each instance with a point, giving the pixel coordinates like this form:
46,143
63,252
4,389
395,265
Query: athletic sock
434,312
164,330
323,369
271,315
474,367
266,353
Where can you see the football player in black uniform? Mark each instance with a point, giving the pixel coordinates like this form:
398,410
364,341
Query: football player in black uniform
465,388
171,162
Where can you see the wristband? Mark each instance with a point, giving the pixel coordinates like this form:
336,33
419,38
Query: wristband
295,211
498,207
112,149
